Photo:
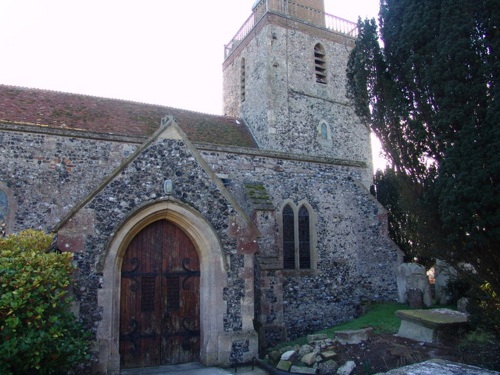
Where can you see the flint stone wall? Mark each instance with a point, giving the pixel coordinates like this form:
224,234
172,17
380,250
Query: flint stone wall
48,174
355,259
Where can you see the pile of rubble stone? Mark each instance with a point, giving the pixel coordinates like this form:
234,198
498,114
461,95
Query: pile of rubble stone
318,355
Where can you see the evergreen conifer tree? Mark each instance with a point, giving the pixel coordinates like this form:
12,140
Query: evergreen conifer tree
429,90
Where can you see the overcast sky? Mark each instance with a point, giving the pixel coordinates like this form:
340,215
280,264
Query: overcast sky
153,51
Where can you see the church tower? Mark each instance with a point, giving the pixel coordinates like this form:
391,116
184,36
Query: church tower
285,75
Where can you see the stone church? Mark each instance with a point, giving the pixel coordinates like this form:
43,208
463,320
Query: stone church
200,237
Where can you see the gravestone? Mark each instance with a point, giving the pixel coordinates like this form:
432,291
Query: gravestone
444,274
415,300
413,276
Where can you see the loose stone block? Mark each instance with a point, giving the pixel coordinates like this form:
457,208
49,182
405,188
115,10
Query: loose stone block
309,359
329,354
316,337
275,356
353,336
328,367
305,349
288,356
284,365
347,368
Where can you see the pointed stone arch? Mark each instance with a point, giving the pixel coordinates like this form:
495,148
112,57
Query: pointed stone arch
212,280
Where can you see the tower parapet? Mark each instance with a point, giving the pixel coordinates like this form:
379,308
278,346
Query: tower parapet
309,11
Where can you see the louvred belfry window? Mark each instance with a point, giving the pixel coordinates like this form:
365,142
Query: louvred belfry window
320,63
243,80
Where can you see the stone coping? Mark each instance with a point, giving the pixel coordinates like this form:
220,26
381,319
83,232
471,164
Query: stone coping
433,318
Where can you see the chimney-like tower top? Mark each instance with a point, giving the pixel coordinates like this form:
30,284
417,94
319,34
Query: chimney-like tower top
312,11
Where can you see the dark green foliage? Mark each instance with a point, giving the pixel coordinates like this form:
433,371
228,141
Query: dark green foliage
431,95
484,309
411,224
469,200
456,289
38,332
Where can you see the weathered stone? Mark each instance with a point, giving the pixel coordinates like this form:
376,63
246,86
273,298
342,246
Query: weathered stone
462,304
316,337
413,276
305,349
284,365
425,325
274,356
328,367
309,359
286,349
444,274
347,368
289,355
414,298
353,336
329,354
441,367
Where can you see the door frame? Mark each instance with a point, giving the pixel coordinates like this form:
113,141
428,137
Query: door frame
213,278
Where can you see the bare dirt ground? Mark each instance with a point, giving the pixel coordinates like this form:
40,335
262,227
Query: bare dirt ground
383,352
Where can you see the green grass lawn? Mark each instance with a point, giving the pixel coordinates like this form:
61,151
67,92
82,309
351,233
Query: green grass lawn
380,316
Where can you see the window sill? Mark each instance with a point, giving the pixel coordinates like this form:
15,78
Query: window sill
300,272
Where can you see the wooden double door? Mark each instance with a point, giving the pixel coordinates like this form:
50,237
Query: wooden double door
160,298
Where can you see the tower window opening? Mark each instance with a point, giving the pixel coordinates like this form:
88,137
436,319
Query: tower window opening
242,83
320,63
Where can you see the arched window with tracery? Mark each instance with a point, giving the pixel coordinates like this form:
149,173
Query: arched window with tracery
304,239
288,238
297,237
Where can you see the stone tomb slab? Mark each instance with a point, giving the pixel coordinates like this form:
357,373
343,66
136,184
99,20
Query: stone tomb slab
430,325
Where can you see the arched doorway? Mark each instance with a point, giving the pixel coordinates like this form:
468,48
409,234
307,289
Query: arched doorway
215,343
160,298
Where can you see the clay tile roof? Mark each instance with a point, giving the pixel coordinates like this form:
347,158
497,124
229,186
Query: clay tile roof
112,116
